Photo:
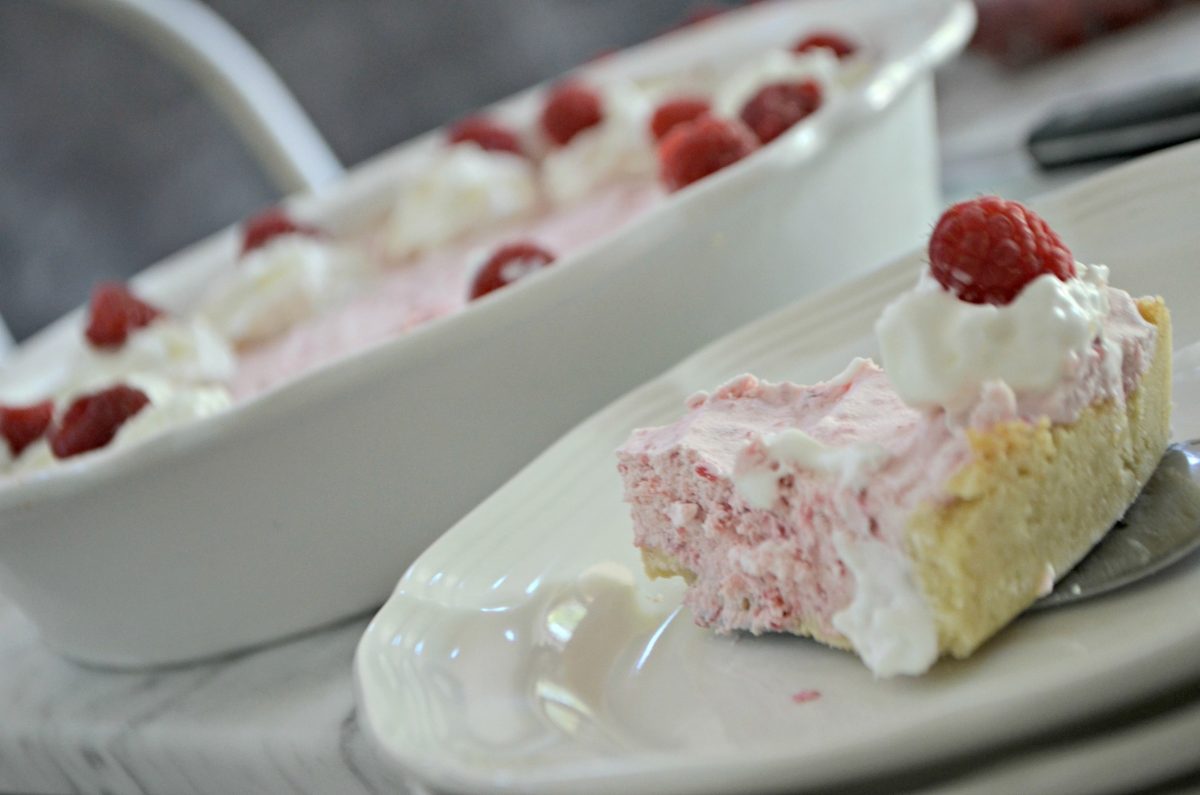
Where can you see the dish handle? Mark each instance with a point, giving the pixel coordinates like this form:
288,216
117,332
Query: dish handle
236,78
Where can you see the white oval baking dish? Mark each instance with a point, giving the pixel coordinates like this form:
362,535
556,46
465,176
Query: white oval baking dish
301,506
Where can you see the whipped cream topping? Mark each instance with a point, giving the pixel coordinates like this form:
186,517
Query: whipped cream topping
286,281
185,350
33,458
619,147
939,351
775,66
170,405
463,189
889,623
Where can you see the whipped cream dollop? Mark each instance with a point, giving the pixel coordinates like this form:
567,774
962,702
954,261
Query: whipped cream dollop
274,287
940,351
775,66
463,189
888,622
619,147
171,405
185,350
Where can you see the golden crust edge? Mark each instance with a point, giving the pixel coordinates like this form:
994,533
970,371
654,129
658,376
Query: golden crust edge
976,580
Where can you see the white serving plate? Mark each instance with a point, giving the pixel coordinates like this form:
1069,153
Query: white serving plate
1123,757
501,664
298,508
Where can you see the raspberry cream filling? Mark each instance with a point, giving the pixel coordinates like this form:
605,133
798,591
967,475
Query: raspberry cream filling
786,506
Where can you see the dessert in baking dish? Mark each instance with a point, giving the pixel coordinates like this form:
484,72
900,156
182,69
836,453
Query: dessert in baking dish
912,511
493,201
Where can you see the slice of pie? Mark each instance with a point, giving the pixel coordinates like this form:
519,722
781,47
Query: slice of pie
915,512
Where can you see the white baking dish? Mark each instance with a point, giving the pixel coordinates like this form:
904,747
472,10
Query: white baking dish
302,506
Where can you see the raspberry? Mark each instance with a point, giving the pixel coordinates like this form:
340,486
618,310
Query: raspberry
486,134
114,312
93,420
508,264
776,107
258,230
986,250
21,426
695,149
570,109
841,46
676,111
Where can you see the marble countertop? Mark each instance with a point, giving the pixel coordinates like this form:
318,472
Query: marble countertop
280,720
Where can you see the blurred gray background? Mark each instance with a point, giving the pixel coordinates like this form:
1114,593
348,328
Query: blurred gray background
110,159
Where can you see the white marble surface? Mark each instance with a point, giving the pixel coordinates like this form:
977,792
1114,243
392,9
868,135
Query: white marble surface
280,720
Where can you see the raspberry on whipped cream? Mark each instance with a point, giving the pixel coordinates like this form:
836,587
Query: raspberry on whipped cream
118,415
776,107
737,89
695,149
126,335
188,350
1004,302
836,43
278,284
486,133
570,109
463,189
21,426
114,312
508,264
674,112
986,250
91,421
616,147
261,229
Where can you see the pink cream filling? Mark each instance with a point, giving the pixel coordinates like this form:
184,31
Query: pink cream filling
417,290
767,569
